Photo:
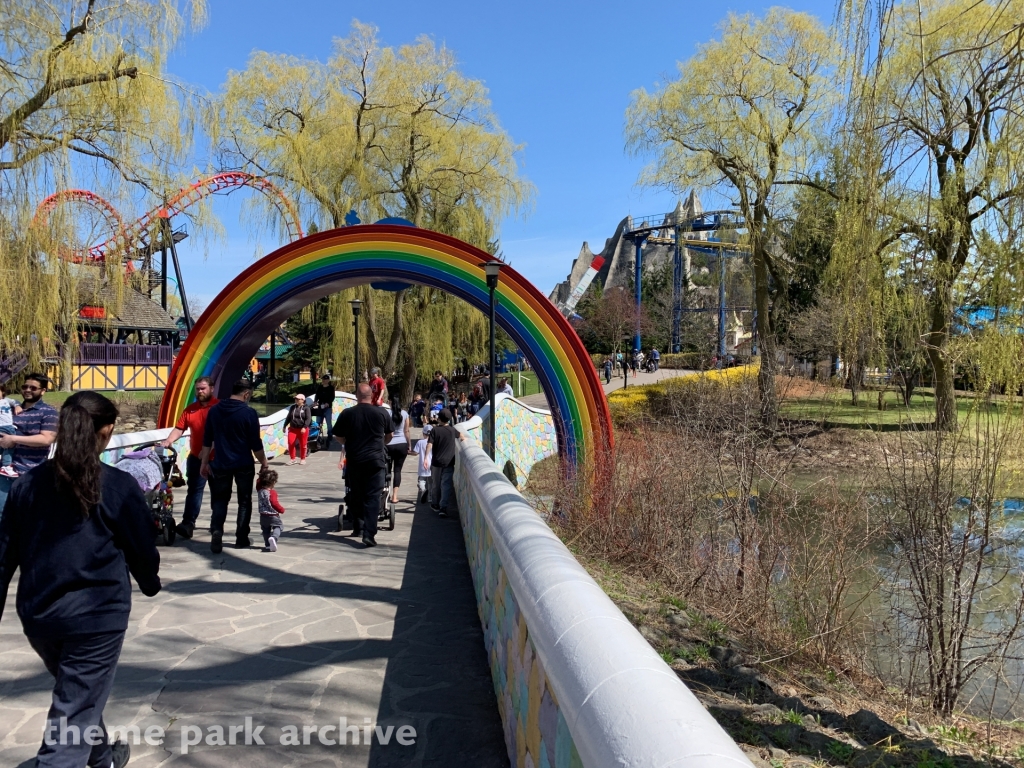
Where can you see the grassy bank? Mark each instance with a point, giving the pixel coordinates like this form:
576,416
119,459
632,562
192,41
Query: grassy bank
773,570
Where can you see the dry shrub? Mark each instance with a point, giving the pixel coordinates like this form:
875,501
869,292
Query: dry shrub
701,498
955,581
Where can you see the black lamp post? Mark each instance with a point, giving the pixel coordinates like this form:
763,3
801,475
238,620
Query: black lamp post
356,307
491,269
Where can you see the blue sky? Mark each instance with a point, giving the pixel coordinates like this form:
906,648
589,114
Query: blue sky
559,76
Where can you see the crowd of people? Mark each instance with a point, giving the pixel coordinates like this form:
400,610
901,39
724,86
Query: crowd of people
462,405
77,529
631,362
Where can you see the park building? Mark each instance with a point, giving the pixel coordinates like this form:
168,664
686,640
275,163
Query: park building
123,342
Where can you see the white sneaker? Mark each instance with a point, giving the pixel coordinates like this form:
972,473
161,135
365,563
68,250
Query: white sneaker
290,462
272,544
303,461
8,471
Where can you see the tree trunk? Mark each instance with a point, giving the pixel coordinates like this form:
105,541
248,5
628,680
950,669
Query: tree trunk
766,341
370,323
409,371
388,361
67,362
942,370
397,332
854,374
68,325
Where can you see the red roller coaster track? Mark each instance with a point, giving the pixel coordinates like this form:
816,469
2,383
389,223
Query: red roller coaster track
128,240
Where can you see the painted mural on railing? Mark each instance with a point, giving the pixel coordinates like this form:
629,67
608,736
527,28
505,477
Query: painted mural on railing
536,733
525,436
272,430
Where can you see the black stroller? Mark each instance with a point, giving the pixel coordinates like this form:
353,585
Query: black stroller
386,515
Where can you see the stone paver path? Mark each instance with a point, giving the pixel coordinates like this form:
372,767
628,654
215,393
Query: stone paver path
320,630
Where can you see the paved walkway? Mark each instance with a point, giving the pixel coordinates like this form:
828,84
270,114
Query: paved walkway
320,630
540,401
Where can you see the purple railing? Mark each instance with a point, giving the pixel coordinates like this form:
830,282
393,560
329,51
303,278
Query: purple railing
11,365
125,354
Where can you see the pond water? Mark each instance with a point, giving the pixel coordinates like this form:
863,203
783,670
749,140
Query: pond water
1000,696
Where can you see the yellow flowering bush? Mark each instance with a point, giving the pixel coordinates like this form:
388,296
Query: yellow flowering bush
631,404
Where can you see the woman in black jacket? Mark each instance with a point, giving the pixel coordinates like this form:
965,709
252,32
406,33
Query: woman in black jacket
76,528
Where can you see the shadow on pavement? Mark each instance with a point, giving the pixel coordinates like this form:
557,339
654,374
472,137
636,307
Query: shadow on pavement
438,679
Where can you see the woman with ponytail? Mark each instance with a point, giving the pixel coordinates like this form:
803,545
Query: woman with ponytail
400,445
77,528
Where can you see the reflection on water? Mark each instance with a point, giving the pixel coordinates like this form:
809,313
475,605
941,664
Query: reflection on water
991,694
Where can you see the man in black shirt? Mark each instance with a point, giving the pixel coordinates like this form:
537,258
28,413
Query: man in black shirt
441,458
364,430
439,386
230,439
324,396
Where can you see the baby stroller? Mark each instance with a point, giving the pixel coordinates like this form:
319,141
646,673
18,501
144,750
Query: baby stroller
387,507
318,438
155,469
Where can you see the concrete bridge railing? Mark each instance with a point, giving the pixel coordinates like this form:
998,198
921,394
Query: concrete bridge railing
526,435
272,428
576,683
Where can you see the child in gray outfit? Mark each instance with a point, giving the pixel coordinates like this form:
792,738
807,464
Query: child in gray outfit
270,508
9,408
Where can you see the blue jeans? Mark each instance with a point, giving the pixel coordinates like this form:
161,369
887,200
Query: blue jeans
322,419
5,488
8,453
196,485
442,486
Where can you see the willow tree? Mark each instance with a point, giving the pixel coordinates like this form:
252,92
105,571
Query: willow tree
84,101
744,117
951,90
386,132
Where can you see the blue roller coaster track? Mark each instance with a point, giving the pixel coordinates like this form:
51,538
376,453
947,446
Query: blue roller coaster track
661,228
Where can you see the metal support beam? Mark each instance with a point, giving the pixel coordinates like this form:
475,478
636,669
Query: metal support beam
677,294
721,307
637,285
186,313
164,237
492,270
272,369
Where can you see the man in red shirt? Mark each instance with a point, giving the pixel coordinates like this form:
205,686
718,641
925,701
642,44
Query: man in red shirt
378,385
193,419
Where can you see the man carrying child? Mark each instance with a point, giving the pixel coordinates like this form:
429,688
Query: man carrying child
9,408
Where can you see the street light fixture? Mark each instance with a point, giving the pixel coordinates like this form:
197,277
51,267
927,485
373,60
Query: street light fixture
356,307
491,269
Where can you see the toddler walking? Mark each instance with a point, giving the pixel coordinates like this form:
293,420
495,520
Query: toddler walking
422,464
270,508
9,408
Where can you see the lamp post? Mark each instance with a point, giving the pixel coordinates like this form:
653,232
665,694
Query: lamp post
491,269
356,307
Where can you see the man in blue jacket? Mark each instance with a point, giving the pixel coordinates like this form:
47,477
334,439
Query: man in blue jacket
231,438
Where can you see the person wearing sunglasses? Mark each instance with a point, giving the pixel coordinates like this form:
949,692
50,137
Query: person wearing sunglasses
36,430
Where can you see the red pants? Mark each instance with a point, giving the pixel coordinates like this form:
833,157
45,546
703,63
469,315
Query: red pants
297,436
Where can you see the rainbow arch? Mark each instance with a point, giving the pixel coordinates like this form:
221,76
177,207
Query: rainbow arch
231,329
